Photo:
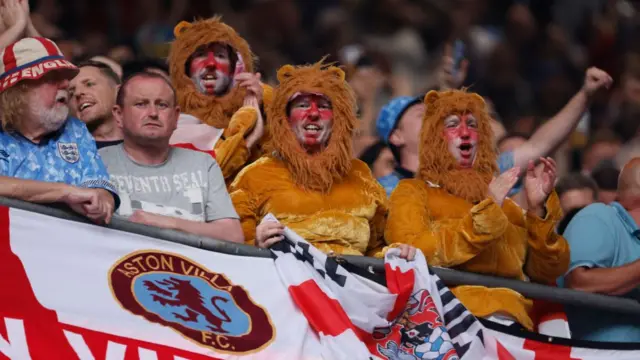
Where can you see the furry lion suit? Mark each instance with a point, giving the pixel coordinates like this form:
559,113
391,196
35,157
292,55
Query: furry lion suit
329,198
446,213
223,112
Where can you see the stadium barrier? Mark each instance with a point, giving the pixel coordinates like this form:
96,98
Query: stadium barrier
369,267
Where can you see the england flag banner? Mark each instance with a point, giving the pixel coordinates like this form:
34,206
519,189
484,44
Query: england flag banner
73,290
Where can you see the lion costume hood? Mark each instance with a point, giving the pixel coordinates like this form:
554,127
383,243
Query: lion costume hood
316,172
212,110
437,164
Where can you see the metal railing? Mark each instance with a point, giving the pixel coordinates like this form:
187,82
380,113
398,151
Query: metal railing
372,268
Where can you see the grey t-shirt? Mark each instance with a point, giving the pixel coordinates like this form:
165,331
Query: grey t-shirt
189,185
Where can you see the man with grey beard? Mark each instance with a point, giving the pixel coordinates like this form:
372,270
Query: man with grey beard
45,155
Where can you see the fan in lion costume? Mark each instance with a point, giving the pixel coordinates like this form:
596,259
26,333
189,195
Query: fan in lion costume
309,180
457,213
212,67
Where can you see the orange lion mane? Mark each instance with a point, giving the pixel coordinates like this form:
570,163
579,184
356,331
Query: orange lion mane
316,172
213,110
437,165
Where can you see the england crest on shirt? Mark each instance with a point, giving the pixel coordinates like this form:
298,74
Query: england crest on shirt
69,152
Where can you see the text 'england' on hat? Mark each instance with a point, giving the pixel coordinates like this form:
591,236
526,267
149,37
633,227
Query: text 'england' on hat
31,58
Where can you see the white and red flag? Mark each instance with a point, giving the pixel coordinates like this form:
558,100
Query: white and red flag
193,134
78,291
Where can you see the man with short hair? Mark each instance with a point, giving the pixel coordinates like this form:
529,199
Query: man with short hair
93,95
606,177
575,191
45,155
400,121
605,259
603,145
145,65
161,185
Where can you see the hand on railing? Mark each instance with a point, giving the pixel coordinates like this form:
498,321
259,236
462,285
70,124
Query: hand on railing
268,233
96,204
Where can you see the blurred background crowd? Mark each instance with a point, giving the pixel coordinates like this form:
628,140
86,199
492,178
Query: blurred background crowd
527,58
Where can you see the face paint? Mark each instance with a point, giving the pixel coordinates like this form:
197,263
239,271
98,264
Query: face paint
210,69
461,134
311,118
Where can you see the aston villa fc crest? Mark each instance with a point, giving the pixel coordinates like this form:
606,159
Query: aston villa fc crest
204,306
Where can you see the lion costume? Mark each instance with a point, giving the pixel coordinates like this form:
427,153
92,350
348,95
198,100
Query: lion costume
223,112
446,213
329,198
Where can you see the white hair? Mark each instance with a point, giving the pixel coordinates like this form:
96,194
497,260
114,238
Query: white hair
49,118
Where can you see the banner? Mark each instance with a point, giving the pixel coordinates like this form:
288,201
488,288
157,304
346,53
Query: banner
78,291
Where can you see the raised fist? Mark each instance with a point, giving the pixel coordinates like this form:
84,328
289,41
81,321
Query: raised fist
594,80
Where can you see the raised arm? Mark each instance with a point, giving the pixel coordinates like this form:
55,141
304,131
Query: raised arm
445,242
14,22
557,129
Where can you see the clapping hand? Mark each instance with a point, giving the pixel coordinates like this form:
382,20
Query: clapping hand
499,187
538,184
13,13
250,82
258,130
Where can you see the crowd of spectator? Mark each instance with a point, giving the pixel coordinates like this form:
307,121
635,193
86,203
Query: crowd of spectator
560,80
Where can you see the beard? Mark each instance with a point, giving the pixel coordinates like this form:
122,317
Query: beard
50,118
468,184
221,87
94,121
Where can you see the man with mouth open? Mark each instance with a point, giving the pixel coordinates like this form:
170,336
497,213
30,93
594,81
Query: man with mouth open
310,181
457,212
93,95
45,155
212,67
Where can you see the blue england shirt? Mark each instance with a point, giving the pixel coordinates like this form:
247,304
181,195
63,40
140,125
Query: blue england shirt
68,156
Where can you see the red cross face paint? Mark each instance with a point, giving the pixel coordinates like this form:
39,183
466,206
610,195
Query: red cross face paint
210,69
311,118
461,134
